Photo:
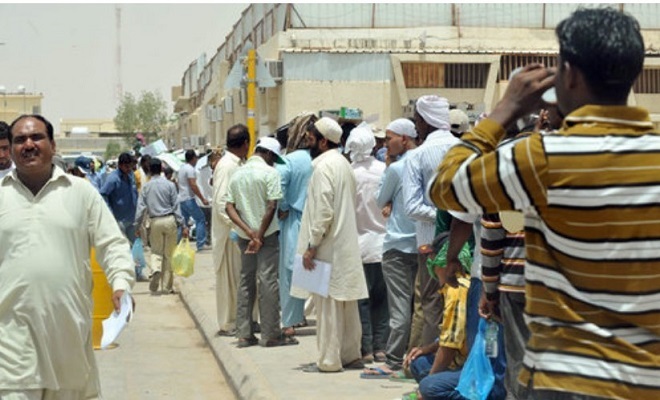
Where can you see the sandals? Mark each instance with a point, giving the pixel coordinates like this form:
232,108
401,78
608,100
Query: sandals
355,364
302,324
247,342
223,332
281,341
289,332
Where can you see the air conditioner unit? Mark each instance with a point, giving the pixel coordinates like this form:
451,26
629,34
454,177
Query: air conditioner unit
242,96
276,69
229,104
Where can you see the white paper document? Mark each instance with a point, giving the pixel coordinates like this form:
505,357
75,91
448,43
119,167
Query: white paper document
315,281
117,321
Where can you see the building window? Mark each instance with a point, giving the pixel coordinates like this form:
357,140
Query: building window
509,62
648,82
420,75
466,76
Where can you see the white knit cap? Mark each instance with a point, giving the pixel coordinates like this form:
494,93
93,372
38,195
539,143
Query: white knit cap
402,126
434,110
329,128
269,143
360,142
460,118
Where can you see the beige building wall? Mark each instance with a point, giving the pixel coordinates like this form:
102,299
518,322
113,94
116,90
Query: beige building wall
13,105
370,97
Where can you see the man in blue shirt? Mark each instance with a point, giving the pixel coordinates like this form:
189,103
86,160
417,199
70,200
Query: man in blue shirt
399,246
120,193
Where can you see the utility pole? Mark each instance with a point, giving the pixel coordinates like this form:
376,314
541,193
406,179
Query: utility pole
251,95
119,90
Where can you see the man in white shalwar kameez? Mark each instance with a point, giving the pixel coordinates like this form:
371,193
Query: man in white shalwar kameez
49,222
329,233
226,254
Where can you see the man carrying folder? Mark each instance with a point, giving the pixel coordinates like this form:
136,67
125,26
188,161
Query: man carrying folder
328,233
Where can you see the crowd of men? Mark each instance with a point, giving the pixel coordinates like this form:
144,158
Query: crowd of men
549,231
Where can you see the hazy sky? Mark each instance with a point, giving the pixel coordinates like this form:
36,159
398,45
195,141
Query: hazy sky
67,51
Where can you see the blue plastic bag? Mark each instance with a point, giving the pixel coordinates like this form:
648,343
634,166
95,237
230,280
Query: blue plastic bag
477,377
138,255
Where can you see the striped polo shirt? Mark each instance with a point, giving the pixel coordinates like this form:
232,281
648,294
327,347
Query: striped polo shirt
502,258
591,198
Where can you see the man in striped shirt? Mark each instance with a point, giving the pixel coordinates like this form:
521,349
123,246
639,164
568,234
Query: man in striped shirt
590,197
502,273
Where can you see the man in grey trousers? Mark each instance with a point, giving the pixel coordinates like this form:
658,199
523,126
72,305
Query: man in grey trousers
252,196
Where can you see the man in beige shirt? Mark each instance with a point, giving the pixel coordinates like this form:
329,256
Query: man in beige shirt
48,223
226,254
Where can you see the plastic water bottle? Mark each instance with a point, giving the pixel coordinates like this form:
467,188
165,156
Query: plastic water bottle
491,339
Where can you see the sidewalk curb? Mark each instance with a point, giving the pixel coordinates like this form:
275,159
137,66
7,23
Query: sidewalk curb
243,374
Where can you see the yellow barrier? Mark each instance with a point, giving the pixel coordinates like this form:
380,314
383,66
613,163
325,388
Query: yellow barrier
102,298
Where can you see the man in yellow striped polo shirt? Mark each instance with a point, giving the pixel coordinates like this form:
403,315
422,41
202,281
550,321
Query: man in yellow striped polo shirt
590,194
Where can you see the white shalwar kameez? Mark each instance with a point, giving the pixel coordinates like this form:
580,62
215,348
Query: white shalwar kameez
46,290
328,222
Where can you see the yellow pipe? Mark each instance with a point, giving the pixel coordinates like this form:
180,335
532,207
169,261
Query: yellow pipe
251,96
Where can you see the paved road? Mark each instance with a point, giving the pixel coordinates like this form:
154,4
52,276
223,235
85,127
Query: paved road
259,373
161,355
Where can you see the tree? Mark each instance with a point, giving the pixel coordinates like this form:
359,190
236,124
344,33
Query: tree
112,150
146,115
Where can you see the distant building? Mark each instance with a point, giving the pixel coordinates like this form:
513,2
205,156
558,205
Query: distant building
380,58
16,103
87,136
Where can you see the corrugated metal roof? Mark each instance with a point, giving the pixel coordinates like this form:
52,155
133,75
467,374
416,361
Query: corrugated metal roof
649,52
405,15
411,51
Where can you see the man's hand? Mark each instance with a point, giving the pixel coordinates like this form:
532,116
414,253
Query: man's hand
254,246
523,94
205,202
488,308
185,232
412,355
454,267
308,259
116,300
387,210
282,214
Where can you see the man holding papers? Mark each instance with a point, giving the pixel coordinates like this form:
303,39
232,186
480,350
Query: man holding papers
48,223
328,234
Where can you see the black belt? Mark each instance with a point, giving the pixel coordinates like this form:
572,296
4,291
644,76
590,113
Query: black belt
162,216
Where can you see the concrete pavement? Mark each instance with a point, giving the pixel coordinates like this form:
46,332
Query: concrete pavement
273,373
161,355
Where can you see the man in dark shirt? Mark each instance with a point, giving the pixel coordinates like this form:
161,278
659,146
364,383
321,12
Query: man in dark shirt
120,193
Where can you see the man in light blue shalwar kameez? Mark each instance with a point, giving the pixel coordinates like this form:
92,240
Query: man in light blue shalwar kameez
295,174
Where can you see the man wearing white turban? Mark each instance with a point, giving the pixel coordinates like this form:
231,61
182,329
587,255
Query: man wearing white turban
371,233
433,127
